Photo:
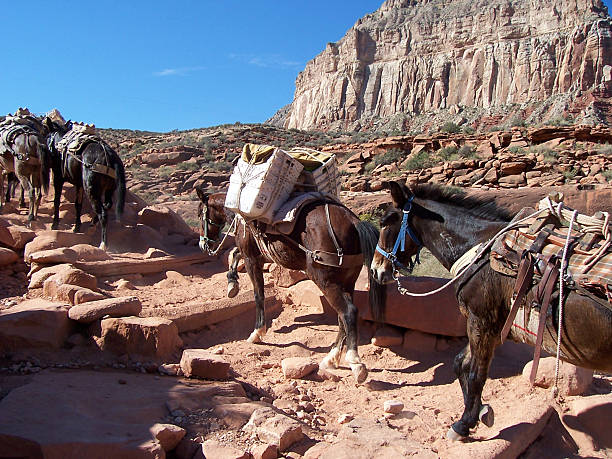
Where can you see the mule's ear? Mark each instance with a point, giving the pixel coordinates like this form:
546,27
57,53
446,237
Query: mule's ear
398,194
426,213
203,196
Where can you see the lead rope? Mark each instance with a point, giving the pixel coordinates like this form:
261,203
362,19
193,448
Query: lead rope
231,228
561,282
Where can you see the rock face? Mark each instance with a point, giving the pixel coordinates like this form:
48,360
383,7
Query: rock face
414,56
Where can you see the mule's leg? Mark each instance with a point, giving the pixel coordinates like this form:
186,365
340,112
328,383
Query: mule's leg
21,196
472,368
332,359
58,184
232,274
254,267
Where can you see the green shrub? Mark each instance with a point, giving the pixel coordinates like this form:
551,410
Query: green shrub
607,175
560,121
467,151
388,157
450,128
570,175
420,160
187,166
517,150
447,153
605,150
517,121
469,130
369,167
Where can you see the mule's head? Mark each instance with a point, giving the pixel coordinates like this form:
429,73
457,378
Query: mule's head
399,242
211,216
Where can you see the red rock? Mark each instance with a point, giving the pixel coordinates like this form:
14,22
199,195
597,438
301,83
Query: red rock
263,451
140,336
88,312
60,292
34,323
387,337
201,363
573,380
40,276
84,295
7,256
162,217
298,367
512,181
512,167
273,428
590,417
438,314
213,449
86,252
419,341
283,277
46,240
168,435
15,237
393,406
53,256
74,276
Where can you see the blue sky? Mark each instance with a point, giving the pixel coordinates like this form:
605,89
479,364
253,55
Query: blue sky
159,65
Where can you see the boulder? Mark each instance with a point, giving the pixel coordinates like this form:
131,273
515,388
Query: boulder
419,341
283,277
84,295
153,337
201,363
264,451
217,450
86,252
52,239
274,428
7,256
162,217
573,380
15,237
393,406
39,277
73,276
168,435
590,417
34,323
53,256
298,367
438,314
387,337
88,312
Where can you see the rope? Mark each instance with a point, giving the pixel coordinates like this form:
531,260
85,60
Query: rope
486,247
212,253
561,282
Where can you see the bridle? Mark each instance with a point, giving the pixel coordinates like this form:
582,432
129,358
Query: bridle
205,241
400,243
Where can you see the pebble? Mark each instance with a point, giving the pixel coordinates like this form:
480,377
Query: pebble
393,406
344,418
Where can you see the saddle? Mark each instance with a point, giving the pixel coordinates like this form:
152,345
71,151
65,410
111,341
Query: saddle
533,253
75,140
9,130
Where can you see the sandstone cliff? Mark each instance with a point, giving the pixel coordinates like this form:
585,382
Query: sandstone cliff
417,56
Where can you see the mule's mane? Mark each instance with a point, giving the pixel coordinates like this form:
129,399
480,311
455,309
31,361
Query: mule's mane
476,206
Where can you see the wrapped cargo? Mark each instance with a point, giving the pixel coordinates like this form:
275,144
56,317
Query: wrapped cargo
320,171
262,180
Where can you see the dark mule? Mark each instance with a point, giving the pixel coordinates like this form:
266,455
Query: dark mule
357,240
11,187
28,158
95,168
449,224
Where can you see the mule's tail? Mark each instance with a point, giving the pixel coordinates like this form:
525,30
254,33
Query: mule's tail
45,164
120,172
368,238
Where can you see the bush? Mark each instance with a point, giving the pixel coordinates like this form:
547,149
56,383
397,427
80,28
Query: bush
607,175
467,151
517,121
420,160
450,128
447,153
560,121
388,157
469,130
605,150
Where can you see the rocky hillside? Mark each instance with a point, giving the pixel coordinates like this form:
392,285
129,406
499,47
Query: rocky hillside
460,60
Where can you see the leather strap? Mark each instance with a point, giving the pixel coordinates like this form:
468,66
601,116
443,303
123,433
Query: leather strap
523,282
545,289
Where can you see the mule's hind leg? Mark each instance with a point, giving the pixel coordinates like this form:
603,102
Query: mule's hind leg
472,367
232,274
78,206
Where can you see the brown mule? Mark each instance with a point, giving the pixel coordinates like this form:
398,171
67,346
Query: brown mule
357,240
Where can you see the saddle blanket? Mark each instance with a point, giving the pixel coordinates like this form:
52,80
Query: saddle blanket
9,131
74,140
285,217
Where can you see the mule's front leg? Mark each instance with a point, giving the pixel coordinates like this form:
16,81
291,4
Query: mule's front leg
332,359
359,370
57,196
254,267
232,274
472,368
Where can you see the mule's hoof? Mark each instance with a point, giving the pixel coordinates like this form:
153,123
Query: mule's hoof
454,436
232,289
55,226
360,372
486,415
103,246
76,229
255,337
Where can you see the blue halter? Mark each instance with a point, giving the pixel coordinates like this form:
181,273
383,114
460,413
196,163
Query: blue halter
400,242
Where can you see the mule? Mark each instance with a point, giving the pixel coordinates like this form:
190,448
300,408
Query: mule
95,168
301,250
27,157
449,223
